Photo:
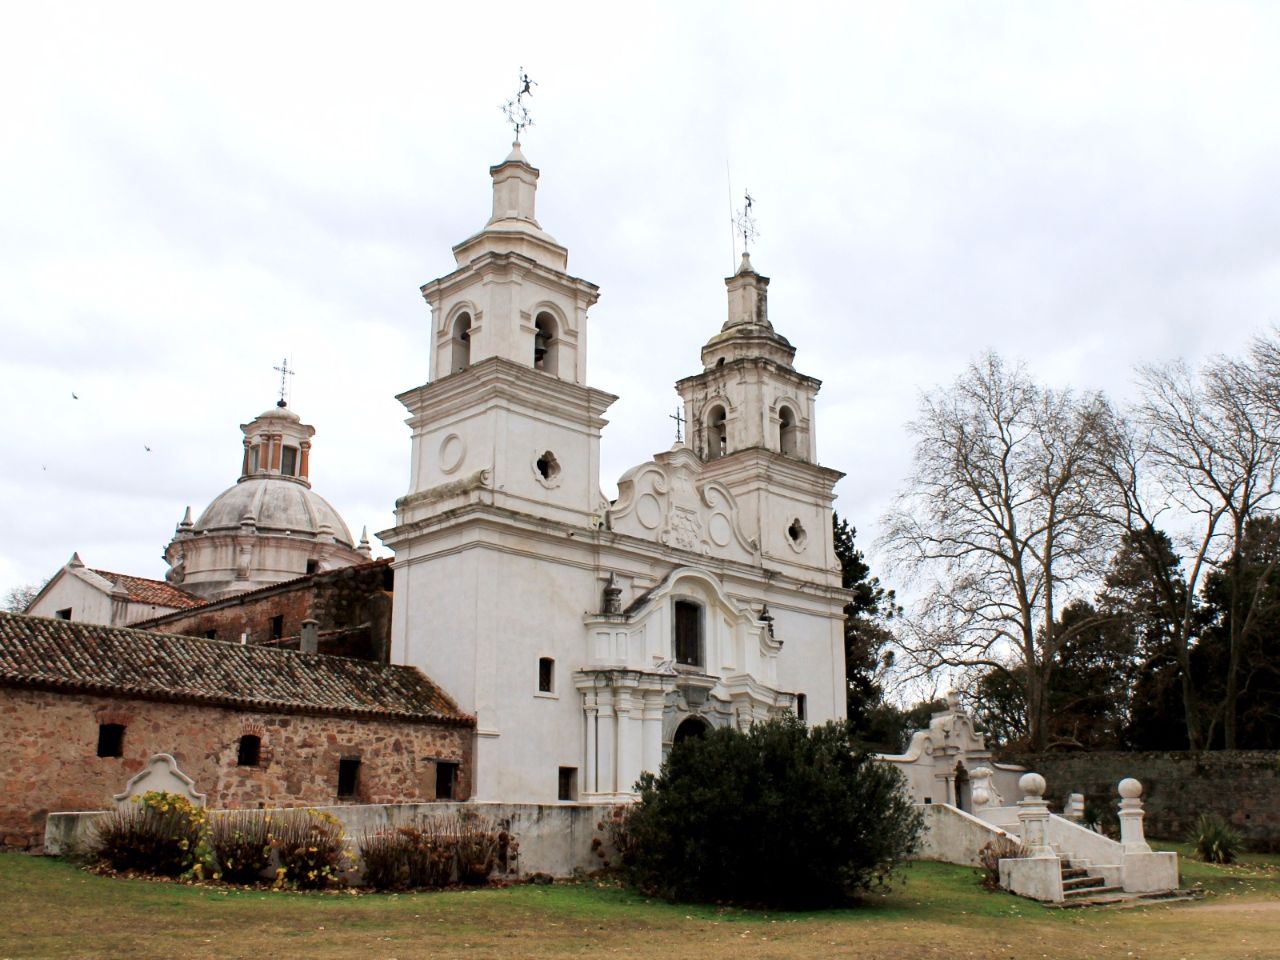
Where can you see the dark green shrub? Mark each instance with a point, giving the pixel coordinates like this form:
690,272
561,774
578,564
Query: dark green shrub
312,852
782,815
157,833
241,842
1215,840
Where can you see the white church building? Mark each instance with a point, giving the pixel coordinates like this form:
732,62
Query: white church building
586,636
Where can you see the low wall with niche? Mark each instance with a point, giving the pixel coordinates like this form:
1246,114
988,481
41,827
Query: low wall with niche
1242,786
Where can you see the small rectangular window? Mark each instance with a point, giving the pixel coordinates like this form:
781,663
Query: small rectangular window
802,706
211,634
111,739
64,614
568,783
546,675
289,461
249,750
348,777
313,566
446,779
277,627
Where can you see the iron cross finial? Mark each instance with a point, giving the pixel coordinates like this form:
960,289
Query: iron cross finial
680,422
746,222
285,373
515,110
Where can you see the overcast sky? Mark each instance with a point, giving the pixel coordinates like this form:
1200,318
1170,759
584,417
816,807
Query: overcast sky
191,194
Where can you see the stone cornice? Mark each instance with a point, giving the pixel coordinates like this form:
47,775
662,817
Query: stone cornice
498,380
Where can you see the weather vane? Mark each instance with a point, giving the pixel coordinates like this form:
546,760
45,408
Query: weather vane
745,222
285,373
515,110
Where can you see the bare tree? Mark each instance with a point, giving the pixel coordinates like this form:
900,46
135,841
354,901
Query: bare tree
1203,448
17,599
1001,522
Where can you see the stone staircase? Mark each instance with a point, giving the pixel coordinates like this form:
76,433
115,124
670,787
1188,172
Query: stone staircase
1081,886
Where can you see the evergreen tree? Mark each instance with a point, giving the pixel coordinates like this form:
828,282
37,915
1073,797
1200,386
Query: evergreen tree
868,642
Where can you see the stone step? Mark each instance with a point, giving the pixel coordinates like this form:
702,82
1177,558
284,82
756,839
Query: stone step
1081,883
1093,893
1069,873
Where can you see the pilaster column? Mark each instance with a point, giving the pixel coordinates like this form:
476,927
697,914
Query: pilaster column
589,784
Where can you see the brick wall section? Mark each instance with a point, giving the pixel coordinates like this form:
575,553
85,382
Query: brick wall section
1242,786
49,762
352,605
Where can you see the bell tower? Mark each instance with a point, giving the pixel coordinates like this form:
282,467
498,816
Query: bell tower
751,419
506,418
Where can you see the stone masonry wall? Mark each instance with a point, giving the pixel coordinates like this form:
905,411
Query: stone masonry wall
351,604
1242,786
49,761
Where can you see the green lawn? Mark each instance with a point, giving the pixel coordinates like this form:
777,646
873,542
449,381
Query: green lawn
53,909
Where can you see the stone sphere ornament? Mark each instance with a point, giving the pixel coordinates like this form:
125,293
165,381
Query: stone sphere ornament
1032,785
1130,789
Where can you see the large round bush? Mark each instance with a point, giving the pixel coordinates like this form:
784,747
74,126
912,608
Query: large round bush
783,815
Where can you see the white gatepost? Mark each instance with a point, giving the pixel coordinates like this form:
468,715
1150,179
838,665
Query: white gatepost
1038,874
1131,816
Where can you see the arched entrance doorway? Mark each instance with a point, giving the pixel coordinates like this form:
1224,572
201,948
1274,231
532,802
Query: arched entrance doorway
692,727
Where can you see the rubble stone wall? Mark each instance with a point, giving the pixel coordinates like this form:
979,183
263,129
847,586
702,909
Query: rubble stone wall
49,761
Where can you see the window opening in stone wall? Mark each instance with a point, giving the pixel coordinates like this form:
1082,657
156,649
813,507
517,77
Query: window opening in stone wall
446,780
796,532
313,566
211,634
289,461
568,783
545,344
253,459
249,750
461,343
787,432
688,633
64,614
802,706
546,675
111,739
277,627
348,777
717,442
548,466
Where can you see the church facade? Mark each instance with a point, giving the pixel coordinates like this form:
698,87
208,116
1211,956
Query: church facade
587,635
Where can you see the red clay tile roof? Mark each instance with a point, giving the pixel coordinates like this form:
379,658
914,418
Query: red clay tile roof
65,655
158,592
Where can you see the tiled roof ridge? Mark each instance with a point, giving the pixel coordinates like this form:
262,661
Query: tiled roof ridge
58,654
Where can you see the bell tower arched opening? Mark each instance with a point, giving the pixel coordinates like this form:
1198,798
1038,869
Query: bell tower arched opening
461,343
786,432
717,433
546,345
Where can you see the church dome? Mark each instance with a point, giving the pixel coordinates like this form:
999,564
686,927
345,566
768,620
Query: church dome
267,527
274,505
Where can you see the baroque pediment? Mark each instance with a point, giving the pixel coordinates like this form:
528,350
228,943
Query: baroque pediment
667,501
